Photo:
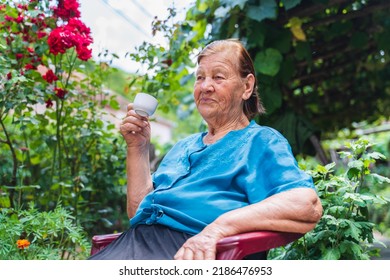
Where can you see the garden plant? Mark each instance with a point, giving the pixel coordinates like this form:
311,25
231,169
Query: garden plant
60,161
62,164
345,230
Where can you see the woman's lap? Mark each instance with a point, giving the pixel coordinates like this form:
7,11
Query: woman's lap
144,242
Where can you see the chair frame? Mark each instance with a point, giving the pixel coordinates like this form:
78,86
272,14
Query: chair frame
234,247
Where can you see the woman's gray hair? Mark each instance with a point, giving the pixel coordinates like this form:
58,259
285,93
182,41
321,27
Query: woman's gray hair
252,106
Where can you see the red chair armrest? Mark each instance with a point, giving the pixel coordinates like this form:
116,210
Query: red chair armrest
234,247
238,246
99,242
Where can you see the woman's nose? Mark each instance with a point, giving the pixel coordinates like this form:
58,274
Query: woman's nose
207,84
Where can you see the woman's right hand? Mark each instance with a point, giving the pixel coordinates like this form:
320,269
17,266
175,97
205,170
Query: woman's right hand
135,129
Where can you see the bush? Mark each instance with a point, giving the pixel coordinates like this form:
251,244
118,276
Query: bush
33,235
344,231
54,142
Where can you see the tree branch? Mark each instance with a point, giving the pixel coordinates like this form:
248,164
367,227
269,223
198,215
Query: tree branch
309,10
14,162
326,72
359,13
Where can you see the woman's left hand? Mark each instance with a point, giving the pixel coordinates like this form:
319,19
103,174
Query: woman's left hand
201,246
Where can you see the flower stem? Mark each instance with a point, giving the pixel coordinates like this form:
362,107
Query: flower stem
14,161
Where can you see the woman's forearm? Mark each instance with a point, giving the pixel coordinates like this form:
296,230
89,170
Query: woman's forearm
139,181
296,210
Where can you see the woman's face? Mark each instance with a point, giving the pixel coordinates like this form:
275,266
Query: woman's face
219,91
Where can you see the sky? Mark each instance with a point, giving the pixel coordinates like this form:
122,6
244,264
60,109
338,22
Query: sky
122,25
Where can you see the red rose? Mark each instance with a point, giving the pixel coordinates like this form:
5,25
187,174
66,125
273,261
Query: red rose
49,103
60,93
67,9
41,34
29,66
73,34
84,53
8,18
50,76
60,40
19,19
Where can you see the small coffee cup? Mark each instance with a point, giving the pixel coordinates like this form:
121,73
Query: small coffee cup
144,104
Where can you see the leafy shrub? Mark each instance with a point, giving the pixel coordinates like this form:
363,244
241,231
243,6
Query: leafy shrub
344,231
54,141
33,235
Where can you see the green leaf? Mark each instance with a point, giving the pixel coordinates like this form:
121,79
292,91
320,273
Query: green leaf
329,220
383,40
321,235
266,9
281,40
84,179
351,248
356,199
356,164
379,178
111,126
271,98
375,155
353,173
114,104
185,79
5,202
268,62
321,169
287,70
256,34
303,51
329,167
353,230
337,210
289,4
202,6
331,254
233,3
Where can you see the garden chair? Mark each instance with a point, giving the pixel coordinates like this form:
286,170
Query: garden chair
245,245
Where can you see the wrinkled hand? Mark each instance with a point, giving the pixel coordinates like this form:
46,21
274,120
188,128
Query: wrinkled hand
135,129
200,247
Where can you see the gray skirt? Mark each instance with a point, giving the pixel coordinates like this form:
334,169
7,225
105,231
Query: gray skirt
144,242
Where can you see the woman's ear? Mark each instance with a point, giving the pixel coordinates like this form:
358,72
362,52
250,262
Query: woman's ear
249,84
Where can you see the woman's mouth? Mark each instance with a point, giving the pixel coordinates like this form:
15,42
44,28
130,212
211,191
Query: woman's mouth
206,100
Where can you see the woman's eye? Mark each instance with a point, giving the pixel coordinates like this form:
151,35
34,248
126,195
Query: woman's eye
219,77
199,78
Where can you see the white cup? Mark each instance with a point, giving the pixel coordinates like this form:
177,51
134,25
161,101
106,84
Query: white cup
144,104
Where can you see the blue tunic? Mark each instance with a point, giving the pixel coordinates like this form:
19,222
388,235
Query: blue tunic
195,183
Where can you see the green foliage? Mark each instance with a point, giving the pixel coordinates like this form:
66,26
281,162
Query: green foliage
57,147
55,141
263,10
268,62
168,76
379,213
52,235
306,55
345,230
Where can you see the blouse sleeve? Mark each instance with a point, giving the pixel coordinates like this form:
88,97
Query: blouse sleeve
273,169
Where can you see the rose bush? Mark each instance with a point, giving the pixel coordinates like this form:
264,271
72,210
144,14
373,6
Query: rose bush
55,147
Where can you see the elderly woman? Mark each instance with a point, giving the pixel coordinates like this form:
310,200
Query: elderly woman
236,177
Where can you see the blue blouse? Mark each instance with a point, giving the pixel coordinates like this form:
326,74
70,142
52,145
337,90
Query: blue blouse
195,183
